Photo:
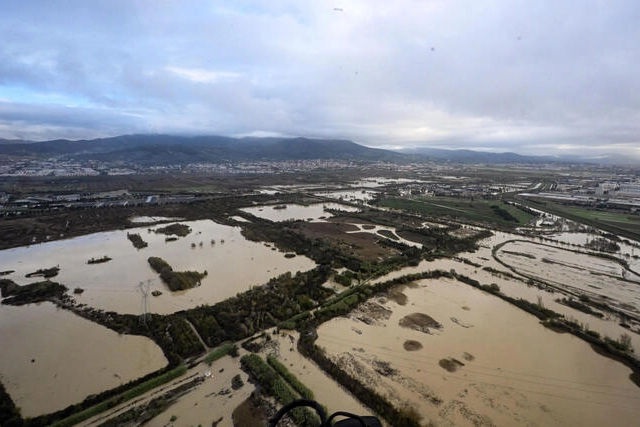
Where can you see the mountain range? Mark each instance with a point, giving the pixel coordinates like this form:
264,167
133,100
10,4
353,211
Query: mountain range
169,149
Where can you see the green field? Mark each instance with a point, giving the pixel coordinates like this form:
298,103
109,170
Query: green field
487,211
623,223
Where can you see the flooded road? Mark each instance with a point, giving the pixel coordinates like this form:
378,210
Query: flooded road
51,358
233,264
376,230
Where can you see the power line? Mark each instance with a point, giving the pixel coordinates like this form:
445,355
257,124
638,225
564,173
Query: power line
144,289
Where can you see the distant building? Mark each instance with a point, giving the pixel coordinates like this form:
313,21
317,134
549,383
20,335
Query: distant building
629,190
604,188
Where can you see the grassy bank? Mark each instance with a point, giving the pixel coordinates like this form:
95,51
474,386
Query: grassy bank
123,397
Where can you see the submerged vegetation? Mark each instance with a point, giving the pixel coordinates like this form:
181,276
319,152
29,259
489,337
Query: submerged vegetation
99,260
31,293
177,229
137,241
44,272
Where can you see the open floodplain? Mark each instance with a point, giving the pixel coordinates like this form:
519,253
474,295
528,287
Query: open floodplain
449,323
463,357
233,264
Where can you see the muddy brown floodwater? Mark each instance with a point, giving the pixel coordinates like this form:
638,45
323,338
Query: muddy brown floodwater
51,358
509,369
233,263
609,325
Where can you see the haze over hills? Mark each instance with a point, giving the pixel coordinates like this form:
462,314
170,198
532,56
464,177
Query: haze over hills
158,149
473,156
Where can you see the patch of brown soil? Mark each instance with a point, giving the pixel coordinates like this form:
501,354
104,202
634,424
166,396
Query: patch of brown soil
411,345
419,322
468,356
371,313
329,227
255,411
361,245
397,295
450,364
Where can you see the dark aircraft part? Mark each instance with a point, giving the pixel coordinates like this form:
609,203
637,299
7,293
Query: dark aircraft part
351,420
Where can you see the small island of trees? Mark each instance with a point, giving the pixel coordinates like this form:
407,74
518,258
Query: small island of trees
137,241
177,229
175,280
45,272
99,260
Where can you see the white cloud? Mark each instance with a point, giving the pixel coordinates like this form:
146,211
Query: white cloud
203,76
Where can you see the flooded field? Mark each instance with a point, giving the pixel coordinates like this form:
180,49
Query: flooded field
151,219
566,269
387,232
517,287
233,263
374,182
211,405
350,196
487,362
214,399
294,212
629,250
51,358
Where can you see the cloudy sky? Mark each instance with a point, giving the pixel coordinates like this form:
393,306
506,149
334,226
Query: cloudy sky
535,77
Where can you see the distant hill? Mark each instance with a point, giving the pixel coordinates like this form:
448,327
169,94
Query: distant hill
168,149
471,156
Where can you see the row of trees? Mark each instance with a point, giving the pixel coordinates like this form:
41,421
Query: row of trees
275,386
260,307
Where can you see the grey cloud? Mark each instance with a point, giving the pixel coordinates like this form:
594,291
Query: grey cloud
509,75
